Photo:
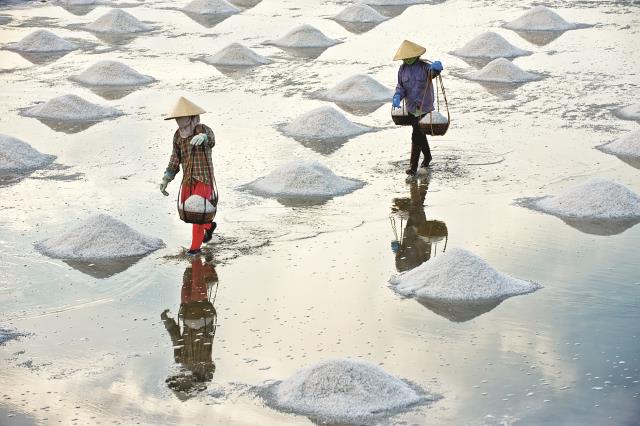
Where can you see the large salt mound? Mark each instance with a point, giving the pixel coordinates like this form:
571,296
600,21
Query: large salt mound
597,198
324,123
111,73
98,237
304,36
117,21
540,18
360,13
490,45
631,112
459,275
358,88
211,7
236,55
627,146
342,390
502,70
42,41
16,155
71,108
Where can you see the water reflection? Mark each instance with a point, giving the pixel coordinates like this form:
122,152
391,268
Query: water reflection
193,333
540,38
360,108
103,268
357,27
207,21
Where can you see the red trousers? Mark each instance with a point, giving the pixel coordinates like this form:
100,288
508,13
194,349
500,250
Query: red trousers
197,232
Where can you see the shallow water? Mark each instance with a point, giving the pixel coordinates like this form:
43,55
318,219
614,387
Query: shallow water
299,283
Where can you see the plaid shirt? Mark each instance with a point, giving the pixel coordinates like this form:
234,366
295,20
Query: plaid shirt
201,158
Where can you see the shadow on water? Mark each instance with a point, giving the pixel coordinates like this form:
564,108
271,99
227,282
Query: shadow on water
79,10
246,4
632,161
501,90
68,127
459,311
42,58
357,27
103,268
360,108
114,92
540,38
207,21
304,52
323,146
601,227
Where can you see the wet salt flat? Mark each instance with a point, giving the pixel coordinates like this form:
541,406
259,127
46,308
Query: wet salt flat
293,283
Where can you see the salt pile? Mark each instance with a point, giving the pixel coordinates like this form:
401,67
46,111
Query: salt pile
434,117
98,237
117,21
236,55
360,13
304,36
358,88
211,7
501,70
198,204
540,18
597,198
459,275
42,41
112,73
631,112
324,123
17,155
627,146
71,108
342,390
490,45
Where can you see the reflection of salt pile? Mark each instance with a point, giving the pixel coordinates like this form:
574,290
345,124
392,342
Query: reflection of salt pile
342,390
79,2
501,70
358,88
16,155
631,112
304,36
236,55
627,146
324,123
71,108
597,198
42,41
98,237
211,7
459,275
540,18
393,2
489,45
117,21
434,117
198,204
112,73
360,13
303,178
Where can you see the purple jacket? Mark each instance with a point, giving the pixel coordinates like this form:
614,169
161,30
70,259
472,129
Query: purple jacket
412,80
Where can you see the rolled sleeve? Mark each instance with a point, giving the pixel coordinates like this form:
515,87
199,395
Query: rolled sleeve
174,161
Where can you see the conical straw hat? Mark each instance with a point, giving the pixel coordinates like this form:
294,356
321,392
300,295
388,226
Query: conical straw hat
409,49
184,108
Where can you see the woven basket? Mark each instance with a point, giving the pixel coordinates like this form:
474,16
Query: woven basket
197,217
434,129
401,120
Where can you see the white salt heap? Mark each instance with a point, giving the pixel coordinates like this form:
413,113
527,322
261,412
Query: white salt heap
117,21
236,55
540,18
324,123
501,70
17,155
112,73
42,41
631,112
597,198
459,275
360,13
71,108
304,36
98,237
434,117
198,204
627,146
344,391
358,88
490,45
211,7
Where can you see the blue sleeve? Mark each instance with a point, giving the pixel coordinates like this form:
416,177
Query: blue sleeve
399,88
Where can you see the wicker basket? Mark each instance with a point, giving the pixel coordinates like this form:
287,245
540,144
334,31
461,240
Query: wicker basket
434,129
402,117
197,217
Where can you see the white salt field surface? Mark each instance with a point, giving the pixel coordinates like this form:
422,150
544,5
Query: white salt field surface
117,21
100,236
343,391
111,73
42,41
236,55
17,155
502,70
304,36
540,18
71,108
630,112
360,13
358,88
626,146
197,204
211,7
490,45
324,122
434,117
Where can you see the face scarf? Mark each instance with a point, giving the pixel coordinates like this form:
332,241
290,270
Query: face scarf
410,61
187,125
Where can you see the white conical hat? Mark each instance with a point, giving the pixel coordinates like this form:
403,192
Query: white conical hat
184,108
409,49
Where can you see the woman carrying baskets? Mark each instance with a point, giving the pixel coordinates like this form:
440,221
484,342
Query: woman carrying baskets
192,143
413,86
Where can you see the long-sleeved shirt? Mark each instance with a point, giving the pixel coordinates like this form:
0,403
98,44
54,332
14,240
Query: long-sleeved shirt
202,167
412,80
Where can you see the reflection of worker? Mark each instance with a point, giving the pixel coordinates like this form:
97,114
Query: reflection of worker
192,347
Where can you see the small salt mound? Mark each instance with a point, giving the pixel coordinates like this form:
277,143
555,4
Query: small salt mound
16,155
324,123
434,117
98,237
459,275
112,73
342,390
358,88
117,21
627,146
597,198
502,70
304,36
198,204
490,45
42,41
211,7
540,18
631,112
360,13
71,108
236,55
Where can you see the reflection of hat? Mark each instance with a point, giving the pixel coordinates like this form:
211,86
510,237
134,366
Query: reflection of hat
184,108
409,49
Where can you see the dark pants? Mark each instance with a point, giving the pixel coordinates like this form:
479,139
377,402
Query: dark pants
419,144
